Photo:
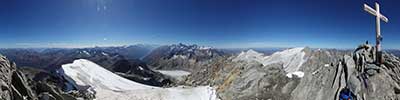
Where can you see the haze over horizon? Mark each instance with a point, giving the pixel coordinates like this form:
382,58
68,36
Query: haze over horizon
217,23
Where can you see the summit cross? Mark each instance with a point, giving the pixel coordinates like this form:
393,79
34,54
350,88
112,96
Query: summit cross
375,12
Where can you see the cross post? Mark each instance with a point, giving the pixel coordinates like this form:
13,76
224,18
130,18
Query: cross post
379,17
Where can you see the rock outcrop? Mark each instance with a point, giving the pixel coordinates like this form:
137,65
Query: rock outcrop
14,85
328,75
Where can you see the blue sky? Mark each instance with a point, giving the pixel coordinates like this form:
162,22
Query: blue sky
218,23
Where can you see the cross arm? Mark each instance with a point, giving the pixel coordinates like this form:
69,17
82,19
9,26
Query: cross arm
373,12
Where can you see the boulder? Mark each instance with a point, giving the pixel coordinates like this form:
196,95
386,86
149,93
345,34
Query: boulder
371,69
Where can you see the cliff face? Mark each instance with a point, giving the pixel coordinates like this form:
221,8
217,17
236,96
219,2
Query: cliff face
14,85
5,78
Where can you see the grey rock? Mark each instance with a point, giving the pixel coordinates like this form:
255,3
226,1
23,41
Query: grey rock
20,83
325,84
6,70
371,72
46,96
46,88
14,85
16,95
69,97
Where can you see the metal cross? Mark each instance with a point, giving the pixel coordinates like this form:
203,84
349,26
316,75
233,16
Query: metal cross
379,17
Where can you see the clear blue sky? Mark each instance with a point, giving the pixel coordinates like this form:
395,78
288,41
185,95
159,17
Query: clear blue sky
218,23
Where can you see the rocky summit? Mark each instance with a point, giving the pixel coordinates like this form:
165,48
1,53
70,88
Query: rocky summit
16,85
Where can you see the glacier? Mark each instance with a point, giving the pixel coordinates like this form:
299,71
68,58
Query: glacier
109,86
176,74
292,59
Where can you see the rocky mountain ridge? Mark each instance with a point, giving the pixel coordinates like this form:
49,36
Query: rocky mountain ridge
50,58
180,56
15,85
327,75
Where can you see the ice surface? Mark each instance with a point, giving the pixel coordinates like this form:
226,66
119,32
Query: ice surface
177,73
109,86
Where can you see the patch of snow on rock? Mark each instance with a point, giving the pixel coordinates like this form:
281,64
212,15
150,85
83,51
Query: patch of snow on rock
141,68
105,54
87,53
179,56
109,86
297,73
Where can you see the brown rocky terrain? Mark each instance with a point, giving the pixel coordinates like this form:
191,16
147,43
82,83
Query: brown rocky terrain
327,73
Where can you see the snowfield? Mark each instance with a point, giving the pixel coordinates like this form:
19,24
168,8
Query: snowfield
109,86
292,59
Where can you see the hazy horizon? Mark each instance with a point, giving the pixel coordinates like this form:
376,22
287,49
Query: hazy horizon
340,24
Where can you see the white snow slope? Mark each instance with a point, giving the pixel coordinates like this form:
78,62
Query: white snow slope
292,59
109,86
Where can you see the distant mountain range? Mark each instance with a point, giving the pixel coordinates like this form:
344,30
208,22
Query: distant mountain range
395,52
54,57
235,74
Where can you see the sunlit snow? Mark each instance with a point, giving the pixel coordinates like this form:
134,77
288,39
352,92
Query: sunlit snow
109,86
292,59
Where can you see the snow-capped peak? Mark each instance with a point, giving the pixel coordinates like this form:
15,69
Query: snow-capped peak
250,55
204,48
87,53
251,52
292,59
105,54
